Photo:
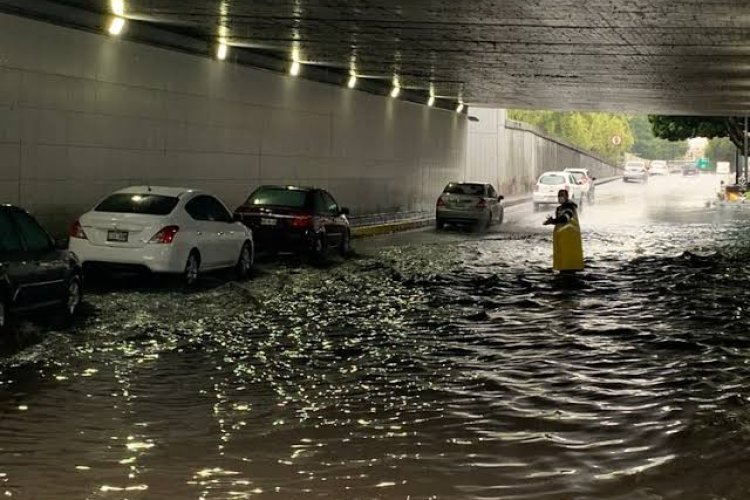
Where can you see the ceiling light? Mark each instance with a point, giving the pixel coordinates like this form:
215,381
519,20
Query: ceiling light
116,25
118,7
431,101
460,107
222,51
295,69
396,91
352,82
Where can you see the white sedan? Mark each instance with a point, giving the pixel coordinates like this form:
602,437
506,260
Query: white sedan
165,230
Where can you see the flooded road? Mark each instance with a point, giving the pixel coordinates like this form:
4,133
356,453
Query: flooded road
432,365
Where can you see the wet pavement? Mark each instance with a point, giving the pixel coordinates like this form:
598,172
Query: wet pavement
430,365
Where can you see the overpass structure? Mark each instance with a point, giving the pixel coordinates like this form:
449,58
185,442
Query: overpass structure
365,97
679,57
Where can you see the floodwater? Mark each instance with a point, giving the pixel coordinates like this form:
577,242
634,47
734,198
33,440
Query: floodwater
449,365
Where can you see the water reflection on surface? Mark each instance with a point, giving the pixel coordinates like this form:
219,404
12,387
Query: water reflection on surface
448,366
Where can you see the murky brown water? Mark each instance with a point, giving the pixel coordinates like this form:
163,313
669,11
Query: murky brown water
449,366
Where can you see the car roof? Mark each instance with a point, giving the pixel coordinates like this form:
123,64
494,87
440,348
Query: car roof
585,170
556,172
157,190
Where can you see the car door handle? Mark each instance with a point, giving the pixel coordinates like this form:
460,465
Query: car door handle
199,233
220,233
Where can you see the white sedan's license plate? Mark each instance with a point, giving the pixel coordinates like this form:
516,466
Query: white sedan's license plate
117,236
268,222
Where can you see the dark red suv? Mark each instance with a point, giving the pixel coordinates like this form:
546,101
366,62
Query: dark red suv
296,219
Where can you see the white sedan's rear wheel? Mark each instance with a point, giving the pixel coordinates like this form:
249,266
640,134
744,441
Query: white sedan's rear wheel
192,269
245,261
4,314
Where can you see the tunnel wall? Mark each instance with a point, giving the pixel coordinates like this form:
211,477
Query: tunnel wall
512,155
83,114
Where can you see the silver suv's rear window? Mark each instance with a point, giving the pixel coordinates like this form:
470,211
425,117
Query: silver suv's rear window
138,203
465,189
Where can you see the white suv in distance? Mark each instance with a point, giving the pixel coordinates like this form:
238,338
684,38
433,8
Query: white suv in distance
635,171
549,183
586,180
658,167
163,230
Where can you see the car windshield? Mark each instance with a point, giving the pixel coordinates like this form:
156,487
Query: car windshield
634,166
278,197
466,189
552,180
138,203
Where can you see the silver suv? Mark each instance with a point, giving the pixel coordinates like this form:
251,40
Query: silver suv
469,203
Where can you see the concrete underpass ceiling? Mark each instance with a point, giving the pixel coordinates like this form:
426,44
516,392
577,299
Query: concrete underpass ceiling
655,56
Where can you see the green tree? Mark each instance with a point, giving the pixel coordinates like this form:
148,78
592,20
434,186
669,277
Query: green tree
576,128
680,128
653,148
590,131
721,150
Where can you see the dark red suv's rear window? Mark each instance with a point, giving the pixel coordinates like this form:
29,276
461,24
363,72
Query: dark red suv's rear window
278,197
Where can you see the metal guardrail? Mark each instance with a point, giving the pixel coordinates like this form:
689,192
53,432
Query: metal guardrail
386,218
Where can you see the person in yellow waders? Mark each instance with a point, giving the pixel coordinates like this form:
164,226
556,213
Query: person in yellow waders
567,248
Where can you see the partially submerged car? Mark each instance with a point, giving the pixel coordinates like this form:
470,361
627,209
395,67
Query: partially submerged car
168,230
469,203
35,274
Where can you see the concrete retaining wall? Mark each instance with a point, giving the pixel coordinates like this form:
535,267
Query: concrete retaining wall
83,114
512,155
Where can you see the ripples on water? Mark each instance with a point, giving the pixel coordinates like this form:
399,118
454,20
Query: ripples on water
467,370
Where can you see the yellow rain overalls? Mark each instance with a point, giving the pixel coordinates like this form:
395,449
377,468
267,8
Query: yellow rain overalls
567,247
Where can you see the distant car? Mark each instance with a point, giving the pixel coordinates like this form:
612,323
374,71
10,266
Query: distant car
586,180
34,273
549,183
162,230
689,170
635,171
658,167
469,203
296,219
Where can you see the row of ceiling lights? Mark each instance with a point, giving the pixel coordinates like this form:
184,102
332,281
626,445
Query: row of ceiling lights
117,25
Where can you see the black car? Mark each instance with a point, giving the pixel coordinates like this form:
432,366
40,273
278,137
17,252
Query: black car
34,273
296,219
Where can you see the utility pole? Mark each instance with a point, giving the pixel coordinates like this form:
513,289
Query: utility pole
736,165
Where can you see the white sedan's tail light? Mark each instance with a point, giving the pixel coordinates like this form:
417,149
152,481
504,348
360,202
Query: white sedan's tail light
165,236
76,231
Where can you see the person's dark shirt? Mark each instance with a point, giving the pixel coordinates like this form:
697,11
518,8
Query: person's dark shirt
565,212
